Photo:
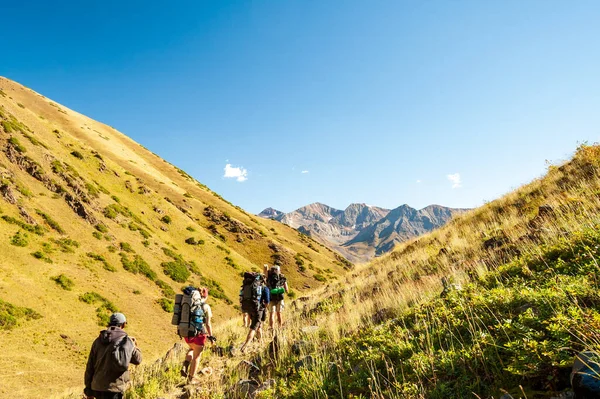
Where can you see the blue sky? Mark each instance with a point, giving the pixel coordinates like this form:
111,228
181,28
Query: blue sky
382,102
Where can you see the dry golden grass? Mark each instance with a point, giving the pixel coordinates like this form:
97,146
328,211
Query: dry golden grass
36,360
463,250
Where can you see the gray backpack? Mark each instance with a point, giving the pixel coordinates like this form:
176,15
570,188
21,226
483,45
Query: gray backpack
188,313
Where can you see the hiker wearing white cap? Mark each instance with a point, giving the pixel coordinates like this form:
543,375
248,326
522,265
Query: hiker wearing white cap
106,373
278,286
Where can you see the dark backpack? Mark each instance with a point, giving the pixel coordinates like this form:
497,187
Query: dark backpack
276,282
121,354
188,313
251,292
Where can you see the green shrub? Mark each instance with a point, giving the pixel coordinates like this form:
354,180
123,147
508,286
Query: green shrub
137,265
176,270
17,145
20,239
77,154
10,315
105,308
231,263
166,219
103,260
320,277
126,247
97,234
36,229
51,222
166,304
21,105
146,243
137,292
65,244
224,249
111,212
191,241
24,191
101,228
92,190
190,228
166,288
116,199
41,256
64,282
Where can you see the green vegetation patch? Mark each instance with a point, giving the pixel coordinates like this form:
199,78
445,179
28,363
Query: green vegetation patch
63,282
508,327
34,140
137,265
11,314
41,256
20,239
215,289
126,247
51,222
167,291
166,219
17,145
11,124
105,308
166,304
77,154
36,229
176,270
66,245
102,259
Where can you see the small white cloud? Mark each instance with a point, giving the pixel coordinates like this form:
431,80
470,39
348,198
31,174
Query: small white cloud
304,172
455,179
238,173
419,181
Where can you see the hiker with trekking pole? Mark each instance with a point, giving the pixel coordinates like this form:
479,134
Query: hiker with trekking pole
107,369
192,316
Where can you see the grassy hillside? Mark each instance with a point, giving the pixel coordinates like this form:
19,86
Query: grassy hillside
92,222
523,298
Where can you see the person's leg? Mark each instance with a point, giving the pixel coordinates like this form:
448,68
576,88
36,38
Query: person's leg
279,310
186,362
254,325
197,350
249,338
271,315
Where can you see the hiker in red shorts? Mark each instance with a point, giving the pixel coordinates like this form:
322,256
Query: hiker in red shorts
196,343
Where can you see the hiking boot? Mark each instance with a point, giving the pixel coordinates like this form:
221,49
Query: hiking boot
184,369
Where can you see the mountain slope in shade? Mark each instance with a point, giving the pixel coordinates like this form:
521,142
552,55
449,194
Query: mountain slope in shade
362,231
92,221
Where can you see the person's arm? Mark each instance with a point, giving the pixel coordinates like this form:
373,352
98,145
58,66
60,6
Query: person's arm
89,371
136,356
208,321
285,287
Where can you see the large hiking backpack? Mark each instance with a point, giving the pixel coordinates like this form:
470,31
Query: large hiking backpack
275,283
251,292
188,313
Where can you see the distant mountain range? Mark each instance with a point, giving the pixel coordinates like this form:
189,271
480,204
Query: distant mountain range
362,231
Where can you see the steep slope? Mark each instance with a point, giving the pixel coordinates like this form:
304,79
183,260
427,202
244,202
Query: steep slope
519,297
92,222
362,231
